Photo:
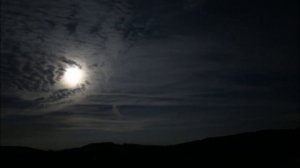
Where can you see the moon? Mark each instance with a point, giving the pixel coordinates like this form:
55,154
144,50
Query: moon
72,77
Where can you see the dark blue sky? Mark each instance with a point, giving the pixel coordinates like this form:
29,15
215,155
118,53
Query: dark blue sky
156,72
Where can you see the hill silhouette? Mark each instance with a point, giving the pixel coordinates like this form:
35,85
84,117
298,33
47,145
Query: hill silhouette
268,148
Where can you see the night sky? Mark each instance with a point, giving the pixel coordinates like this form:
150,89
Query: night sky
153,72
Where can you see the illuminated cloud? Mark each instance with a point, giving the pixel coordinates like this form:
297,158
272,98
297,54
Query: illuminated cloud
38,51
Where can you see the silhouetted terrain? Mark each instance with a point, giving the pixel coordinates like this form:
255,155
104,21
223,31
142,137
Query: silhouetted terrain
269,148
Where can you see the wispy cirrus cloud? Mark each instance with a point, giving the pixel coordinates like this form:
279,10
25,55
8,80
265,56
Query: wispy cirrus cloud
41,39
160,71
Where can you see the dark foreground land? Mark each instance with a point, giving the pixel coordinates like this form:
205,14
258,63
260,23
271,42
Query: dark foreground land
271,148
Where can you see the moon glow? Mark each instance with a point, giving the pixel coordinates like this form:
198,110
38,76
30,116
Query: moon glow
72,77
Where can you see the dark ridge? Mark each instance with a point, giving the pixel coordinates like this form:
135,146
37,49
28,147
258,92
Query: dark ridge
261,148
18,153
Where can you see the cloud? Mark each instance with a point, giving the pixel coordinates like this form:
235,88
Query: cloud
159,65
116,111
80,123
41,39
